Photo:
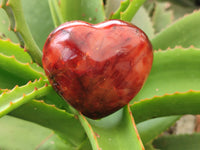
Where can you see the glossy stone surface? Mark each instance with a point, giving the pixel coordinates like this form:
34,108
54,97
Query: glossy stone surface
97,68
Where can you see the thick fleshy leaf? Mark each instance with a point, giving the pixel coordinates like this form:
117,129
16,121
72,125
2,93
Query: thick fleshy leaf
175,104
22,134
26,135
87,10
161,16
53,98
141,18
127,10
122,7
149,146
150,6
184,32
18,24
4,27
16,67
53,142
11,64
56,12
143,21
117,131
111,6
181,70
150,129
181,10
66,125
11,67
4,90
173,70
38,16
185,3
8,81
18,96
178,142
10,49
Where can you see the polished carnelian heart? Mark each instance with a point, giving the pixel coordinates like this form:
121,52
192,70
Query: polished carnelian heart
97,68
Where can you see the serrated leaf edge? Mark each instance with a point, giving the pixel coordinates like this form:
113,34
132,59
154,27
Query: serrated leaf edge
17,45
12,104
176,21
166,94
23,65
91,135
177,47
134,126
21,28
153,23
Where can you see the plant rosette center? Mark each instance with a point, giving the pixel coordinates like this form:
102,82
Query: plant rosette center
98,68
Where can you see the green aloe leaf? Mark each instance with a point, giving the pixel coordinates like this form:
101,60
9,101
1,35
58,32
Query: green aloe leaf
5,33
53,98
22,134
117,131
181,2
10,100
141,18
123,6
149,147
38,17
173,70
150,129
111,6
180,70
184,32
178,142
53,142
87,10
127,10
18,23
16,67
66,125
180,10
131,10
4,90
26,135
25,71
161,16
55,12
175,104
11,49
143,21
8,80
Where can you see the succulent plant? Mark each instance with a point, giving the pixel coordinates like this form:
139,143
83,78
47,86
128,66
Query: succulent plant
34,116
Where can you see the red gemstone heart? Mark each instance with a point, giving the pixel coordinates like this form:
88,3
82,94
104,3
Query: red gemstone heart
97,68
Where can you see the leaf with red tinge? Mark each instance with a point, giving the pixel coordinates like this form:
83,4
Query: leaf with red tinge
14,61
5,33
184,32
175,104
11,49
117,131
19,95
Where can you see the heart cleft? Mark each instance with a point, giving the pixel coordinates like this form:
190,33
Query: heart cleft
98,68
